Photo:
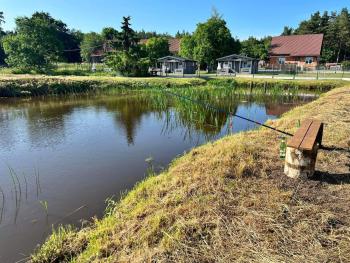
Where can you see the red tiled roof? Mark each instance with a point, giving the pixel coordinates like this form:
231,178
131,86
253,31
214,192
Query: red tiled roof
174,45
297,45
143,41
100,52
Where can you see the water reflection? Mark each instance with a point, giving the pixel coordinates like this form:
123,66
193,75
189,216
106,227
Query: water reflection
75,152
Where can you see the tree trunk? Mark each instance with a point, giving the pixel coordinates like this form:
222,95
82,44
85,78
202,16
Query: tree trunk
338,55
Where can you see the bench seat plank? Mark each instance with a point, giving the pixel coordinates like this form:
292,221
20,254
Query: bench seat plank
300,134
311,136
307,135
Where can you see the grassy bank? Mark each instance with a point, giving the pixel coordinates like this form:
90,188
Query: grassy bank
228,201
36,85
27,85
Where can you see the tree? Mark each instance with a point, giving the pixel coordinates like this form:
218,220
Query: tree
187,45
127,37
128,59
287,31
256,48
71,40
157,47
91,43
210,41
343,26
336,30
147,35
35,44
109,34
311,26
2,20
2,53
181,34
128,63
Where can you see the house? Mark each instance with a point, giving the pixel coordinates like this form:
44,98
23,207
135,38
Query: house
98,55
237,64
303,51
178,65
174,45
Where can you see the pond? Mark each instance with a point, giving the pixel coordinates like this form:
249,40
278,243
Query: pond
62,157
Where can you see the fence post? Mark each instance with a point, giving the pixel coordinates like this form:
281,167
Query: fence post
295,71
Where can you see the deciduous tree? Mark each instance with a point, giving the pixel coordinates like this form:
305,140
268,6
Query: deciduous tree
2,53
187,45
157,47
211,40
91,43
256,48
109,34
35,44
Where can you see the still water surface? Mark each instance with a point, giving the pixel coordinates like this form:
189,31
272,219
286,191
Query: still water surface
73,153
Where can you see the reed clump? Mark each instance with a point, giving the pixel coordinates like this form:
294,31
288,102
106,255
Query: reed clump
228,201
310,85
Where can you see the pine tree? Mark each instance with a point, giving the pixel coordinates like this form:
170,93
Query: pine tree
127,36
2,20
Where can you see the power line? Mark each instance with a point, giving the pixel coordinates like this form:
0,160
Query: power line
78,49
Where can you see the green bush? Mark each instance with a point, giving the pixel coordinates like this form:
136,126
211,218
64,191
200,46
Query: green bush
128,64
346,65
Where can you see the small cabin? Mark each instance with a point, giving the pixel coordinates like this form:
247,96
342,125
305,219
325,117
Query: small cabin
237,64
178,65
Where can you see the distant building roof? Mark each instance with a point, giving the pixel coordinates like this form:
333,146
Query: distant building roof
174,45
143,41
235,57
101,51
297,45
173,59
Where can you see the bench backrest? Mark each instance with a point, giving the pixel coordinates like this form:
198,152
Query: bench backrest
309,133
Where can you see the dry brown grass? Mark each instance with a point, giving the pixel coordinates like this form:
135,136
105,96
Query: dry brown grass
230,202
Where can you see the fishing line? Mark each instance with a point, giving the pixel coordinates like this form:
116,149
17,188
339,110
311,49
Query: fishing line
209,106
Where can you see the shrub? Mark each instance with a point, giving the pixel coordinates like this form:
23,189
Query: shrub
128,64
346,65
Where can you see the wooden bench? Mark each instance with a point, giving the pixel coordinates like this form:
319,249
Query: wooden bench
302,149
309,133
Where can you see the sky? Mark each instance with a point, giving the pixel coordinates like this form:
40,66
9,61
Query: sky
244,18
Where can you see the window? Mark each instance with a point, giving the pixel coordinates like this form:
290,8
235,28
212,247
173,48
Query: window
309,60
281,60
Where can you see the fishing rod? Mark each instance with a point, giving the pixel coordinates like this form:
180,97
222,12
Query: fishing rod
207,105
